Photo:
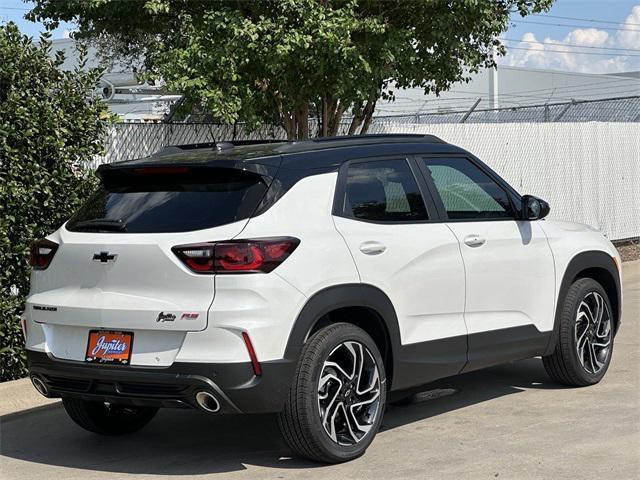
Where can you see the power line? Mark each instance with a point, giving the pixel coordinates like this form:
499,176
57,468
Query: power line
542,92
555,92
562,44
572,52
575,25
522,107
586,19
436,105
580,88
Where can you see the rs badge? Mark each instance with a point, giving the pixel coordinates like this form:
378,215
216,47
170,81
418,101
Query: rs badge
165,317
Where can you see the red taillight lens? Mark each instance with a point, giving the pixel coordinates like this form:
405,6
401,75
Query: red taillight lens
23,324
237,256
42,252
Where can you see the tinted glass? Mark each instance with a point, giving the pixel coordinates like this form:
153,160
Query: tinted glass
383,191
466,191
170,203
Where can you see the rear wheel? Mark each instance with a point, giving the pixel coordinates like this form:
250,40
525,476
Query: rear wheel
108,418
585,338
338,395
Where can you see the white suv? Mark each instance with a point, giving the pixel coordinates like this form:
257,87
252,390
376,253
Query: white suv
315,279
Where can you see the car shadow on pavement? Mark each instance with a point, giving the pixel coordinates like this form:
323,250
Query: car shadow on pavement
183,442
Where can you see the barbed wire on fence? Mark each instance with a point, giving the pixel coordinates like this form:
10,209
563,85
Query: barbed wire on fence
618,109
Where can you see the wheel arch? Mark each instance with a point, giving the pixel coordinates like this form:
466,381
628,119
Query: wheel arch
602,268
376,316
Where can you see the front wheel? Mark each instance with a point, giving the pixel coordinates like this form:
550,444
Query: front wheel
107,418
337,398
585,338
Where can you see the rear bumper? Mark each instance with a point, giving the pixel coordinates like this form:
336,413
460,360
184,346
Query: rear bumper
234,385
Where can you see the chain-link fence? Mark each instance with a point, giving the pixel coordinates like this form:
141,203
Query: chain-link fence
135,140
126,141
586,167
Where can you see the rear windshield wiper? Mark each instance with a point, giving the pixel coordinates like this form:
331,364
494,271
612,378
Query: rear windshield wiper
104,224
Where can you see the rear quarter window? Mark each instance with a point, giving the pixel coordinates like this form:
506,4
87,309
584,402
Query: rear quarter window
169,202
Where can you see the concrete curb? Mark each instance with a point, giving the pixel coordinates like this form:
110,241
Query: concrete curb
19,395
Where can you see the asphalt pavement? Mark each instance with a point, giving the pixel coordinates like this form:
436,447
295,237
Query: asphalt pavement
507,422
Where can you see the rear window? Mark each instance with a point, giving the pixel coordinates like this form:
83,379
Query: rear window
162,203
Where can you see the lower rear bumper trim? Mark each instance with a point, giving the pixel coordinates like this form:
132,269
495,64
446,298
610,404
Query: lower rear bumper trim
233,384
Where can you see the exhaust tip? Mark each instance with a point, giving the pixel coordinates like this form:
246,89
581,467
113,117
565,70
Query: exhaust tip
40,386
207,402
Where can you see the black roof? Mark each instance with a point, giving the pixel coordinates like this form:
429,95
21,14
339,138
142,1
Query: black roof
320,153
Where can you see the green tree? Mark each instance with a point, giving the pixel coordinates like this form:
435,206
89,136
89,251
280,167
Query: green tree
50,127
280,61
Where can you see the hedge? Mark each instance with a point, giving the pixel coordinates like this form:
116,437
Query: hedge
51,126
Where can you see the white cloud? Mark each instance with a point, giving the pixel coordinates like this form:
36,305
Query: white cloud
590,37
627,38
549,53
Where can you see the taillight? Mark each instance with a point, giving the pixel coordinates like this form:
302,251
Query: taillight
237,256
23,324
42,252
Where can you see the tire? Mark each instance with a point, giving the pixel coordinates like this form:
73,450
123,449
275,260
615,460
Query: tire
108,419
564,365
300,422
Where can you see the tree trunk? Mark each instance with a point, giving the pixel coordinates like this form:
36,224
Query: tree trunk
336,117
368,115
325,118
331,111
287,120
302,119
356,121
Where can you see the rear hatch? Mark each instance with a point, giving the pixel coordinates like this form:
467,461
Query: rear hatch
114,268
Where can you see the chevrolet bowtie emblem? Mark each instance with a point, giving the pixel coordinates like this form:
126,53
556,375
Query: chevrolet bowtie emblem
104,257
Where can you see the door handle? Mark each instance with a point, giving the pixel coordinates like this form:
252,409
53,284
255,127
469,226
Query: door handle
474,240
372,248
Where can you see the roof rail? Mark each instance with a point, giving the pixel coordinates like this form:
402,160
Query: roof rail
226,145
376,136
311,143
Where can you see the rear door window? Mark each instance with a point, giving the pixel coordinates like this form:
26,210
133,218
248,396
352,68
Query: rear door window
383,191
162,203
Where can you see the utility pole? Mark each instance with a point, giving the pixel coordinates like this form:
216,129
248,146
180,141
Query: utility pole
494,94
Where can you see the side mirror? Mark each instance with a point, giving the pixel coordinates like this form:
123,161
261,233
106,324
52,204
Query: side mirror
534,208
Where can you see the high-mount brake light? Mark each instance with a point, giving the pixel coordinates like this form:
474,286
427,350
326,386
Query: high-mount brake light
260,255
42,252
161,170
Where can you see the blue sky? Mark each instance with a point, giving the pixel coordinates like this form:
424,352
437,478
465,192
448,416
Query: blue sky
607,43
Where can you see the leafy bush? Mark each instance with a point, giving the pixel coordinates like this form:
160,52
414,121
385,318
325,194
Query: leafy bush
51,126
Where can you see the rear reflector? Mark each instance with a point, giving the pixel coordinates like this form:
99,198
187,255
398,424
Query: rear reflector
42,252
260,255
257,368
